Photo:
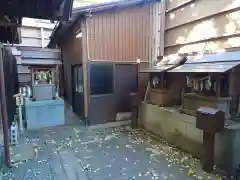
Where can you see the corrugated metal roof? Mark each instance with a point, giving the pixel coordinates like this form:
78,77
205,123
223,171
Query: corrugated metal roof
219,67
26,54
217,57
36,56
157,69
167,63
41,62
109,5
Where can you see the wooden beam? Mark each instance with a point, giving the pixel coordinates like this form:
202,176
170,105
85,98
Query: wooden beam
218,86
115,61
10,22
182,5
203,40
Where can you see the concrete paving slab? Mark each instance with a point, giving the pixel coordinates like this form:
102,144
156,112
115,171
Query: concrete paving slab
73,170
73,152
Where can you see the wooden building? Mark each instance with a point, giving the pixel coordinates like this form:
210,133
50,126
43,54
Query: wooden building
102,49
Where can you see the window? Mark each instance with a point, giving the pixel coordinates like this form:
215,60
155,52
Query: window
78,78
101,79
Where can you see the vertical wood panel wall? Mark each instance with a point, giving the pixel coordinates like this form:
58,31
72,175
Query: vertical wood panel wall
125,35
71,54
202,26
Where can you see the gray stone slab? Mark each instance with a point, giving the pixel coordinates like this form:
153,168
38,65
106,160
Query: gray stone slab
71,153
73,169
56,166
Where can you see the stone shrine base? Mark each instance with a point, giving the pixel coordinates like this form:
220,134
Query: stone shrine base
180,130
46,113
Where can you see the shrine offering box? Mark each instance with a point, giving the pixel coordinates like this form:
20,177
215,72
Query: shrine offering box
42,92
193,101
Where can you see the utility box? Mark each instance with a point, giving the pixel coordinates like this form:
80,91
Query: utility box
42,92
210,120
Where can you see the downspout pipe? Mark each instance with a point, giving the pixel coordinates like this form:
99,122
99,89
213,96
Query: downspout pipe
87,35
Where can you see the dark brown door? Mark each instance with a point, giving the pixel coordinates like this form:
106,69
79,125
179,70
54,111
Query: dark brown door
126,81
77,90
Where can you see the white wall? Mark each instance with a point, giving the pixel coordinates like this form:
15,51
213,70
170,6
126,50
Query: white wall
36,32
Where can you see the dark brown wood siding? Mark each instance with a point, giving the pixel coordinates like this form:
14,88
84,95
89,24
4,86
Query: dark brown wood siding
124,35
71,55
120,36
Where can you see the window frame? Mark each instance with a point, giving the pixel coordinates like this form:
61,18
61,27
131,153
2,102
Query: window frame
78,78
112,79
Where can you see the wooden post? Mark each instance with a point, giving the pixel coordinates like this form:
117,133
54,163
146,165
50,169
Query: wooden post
4,110
85,60
218,85
182,98
148,89
61,78
42,37
32,75
208,151
162,30
162,80
53,71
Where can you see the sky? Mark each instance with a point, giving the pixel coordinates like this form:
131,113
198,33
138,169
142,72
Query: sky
76,3
79,3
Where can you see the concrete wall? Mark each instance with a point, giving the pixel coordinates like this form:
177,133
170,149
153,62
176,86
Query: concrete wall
179,129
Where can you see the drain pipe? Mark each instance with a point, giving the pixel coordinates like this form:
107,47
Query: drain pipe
85,71
4,112
87,35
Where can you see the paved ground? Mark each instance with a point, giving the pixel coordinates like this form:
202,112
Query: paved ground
74,153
